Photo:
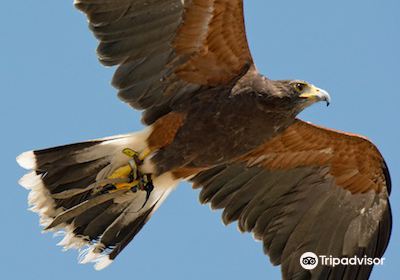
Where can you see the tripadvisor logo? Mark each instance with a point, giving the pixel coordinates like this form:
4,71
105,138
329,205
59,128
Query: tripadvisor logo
309,260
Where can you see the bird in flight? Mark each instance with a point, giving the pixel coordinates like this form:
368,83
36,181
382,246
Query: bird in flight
213,120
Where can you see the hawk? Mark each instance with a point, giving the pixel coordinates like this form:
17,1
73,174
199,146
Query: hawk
214,120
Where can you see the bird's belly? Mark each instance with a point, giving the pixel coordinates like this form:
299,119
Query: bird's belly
210,140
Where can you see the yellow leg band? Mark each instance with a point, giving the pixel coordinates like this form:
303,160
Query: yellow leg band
129,152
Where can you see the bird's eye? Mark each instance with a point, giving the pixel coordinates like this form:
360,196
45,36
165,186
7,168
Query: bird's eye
299,87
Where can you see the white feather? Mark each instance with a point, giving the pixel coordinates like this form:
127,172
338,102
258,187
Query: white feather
30,180
27,160
88,255
39,198
70,240
41,201
102,262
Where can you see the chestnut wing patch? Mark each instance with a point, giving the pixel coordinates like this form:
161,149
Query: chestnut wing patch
308,190
168,49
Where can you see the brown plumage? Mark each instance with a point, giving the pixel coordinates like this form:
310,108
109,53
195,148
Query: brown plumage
213,120
219,52
355,162
164,130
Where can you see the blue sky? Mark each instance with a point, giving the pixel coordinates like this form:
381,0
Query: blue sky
55,92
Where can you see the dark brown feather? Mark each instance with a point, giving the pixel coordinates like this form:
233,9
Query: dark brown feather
167,50
290,193
63,195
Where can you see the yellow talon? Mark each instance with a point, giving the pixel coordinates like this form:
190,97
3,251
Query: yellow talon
129,170
126,186
122,172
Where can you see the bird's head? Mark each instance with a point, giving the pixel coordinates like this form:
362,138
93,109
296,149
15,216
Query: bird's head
298,95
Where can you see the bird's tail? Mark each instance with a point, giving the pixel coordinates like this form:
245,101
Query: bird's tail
86,191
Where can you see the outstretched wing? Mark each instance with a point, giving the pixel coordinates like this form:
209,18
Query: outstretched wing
307,190
168,49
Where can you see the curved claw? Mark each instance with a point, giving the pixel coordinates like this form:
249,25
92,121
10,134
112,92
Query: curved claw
149,187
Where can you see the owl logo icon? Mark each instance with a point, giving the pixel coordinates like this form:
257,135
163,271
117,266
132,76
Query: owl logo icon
309,260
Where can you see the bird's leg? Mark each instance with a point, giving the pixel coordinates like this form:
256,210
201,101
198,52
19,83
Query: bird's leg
130,171
137,181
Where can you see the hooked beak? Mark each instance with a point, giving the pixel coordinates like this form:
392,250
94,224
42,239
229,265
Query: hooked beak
314,94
